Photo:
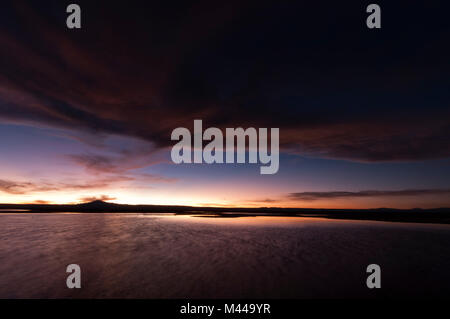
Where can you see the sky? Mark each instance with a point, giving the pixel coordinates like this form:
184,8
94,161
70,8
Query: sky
363,114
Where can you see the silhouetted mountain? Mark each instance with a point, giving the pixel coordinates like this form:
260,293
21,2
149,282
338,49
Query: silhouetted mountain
97,204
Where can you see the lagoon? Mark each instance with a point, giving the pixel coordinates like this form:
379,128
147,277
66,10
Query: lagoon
139,255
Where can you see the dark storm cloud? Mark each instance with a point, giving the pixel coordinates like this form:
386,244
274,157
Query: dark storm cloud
311,196
334,88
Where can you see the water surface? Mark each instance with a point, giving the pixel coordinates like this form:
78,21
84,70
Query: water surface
166,256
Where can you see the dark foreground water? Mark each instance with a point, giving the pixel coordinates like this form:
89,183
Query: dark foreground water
165,256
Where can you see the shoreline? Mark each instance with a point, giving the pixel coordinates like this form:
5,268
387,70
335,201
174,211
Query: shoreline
424,216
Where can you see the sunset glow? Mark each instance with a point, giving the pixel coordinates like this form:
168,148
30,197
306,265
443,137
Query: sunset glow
79,123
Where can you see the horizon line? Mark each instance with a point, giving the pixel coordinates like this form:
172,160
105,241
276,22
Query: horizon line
224,207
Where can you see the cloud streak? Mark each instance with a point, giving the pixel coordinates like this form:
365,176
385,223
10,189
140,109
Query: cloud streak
88,199
17,187
21,188
312,196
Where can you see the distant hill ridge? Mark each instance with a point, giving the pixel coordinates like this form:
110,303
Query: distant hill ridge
97,203
435,215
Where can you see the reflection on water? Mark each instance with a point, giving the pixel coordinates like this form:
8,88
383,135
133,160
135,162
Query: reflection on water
183,256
